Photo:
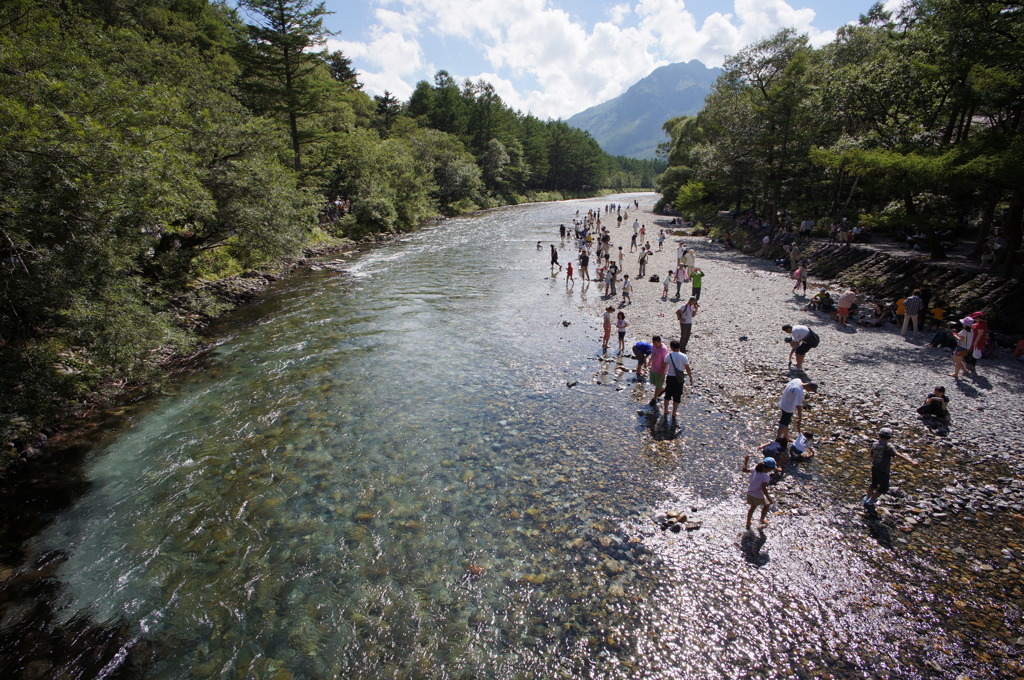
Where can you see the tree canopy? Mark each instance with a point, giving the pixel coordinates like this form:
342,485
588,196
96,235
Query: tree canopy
911,121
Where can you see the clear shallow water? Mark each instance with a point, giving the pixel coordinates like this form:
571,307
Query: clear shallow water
383,474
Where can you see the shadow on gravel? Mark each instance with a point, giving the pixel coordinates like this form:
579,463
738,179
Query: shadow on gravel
879,531
751,545
982,382
897,354
663,429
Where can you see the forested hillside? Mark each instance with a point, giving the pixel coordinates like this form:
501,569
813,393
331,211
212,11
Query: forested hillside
909,122
148,145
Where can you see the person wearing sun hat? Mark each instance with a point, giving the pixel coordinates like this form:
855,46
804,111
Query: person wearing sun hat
881,464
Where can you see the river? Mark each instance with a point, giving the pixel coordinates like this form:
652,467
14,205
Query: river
388,472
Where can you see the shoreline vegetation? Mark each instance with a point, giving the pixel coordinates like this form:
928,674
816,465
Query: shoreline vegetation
151,149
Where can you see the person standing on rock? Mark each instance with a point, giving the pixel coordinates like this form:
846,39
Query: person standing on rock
792,405
627,290
696,277
964,342
665,284
800,278
691,263
680,276
677,362
844,303
642,261
912,308
881,464
844,233
685,316
802,339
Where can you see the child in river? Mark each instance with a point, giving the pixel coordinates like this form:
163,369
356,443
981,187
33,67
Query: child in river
757,489
607,320
802,447
621,324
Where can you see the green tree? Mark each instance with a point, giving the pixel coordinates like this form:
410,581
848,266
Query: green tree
388,108
341,70
282,67
493,163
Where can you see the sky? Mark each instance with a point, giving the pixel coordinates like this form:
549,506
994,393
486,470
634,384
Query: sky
554,58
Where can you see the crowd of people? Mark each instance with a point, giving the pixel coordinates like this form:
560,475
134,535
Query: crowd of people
668,368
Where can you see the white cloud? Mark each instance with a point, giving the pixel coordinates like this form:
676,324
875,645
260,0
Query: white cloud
398,22
618,13
390,61
543,60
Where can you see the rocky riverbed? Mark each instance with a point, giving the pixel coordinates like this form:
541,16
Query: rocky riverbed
949,531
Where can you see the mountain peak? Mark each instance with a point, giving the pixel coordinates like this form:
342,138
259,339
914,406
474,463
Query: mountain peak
630,124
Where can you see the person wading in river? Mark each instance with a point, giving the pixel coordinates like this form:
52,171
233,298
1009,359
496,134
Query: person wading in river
757,489
792,404
677,362
881,463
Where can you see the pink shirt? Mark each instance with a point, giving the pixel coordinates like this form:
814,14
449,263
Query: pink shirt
658,355
756,480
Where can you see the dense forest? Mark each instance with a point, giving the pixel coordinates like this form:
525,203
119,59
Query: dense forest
909,122
148,146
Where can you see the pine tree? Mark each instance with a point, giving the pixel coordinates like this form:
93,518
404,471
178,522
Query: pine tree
281,65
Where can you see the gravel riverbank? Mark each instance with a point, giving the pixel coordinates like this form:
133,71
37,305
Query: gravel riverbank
956,514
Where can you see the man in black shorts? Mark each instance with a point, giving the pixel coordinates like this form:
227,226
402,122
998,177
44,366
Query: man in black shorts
677,362
881,463
802,340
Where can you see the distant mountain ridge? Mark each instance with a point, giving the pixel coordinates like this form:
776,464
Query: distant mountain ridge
630,124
